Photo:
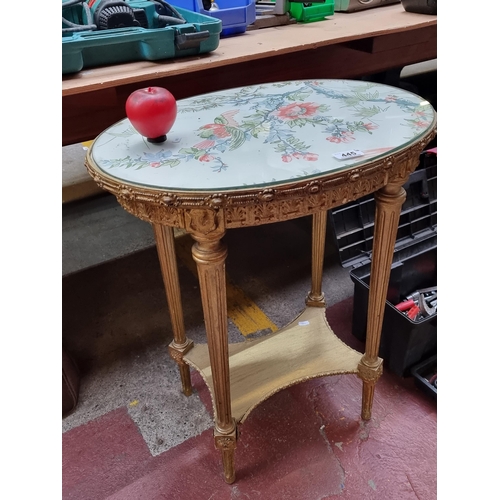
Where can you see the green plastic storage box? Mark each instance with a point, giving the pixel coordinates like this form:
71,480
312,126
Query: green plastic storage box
310,12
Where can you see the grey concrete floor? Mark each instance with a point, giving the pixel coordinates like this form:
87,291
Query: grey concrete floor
116,323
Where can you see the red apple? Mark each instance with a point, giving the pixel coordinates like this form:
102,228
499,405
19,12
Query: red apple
152,112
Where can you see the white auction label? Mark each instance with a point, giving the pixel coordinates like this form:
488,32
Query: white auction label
346,155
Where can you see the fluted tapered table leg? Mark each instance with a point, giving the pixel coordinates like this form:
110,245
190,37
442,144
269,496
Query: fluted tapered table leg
209,254
316,297
389,201
164,236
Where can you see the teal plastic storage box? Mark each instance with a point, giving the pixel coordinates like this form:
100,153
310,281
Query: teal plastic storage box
86,49
311,12
235,15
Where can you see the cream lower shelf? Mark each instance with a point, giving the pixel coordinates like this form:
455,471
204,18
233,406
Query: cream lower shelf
304,349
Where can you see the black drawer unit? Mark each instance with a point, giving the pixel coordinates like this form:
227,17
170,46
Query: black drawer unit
404,342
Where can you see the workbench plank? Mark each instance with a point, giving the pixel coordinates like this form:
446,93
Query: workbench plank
256,45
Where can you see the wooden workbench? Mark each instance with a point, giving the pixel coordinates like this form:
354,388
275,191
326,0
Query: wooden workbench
342,46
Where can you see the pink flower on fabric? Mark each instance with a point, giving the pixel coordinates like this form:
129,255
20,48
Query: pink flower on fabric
421,124
370,126
229,116
286,158
390,98
335,139
345,136
218,130
207,143
297,110
206,158
155,164
310,157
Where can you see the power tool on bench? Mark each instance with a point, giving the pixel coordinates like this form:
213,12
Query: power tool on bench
110,14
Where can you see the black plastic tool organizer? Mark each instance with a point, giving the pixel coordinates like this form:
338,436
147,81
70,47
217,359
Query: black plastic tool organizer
404,342
425,375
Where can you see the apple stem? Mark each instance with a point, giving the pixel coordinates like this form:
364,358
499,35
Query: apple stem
157,140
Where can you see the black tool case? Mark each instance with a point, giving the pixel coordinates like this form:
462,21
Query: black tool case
404,342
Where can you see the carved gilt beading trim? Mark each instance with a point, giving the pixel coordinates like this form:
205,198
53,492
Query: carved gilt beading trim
206,212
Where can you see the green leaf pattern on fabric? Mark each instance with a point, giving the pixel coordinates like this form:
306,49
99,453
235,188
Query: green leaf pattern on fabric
277,118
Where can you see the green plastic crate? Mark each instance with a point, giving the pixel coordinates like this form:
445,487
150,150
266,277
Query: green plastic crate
86,49
311,12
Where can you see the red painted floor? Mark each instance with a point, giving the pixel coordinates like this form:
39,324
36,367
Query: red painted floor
305,443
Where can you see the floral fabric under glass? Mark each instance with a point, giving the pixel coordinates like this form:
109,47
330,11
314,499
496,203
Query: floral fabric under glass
267,134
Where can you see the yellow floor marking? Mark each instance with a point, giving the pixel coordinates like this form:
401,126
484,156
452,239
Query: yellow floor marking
242,310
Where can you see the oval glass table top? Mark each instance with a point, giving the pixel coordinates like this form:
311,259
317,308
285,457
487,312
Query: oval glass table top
265,135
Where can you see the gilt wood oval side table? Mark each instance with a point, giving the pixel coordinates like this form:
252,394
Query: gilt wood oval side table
257,155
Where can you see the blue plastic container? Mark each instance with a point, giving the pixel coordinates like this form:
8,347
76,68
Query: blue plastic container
235,15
